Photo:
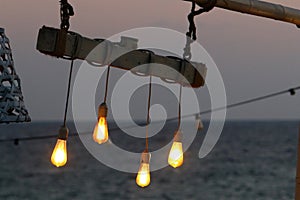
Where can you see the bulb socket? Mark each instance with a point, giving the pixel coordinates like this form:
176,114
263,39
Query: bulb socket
102,110
63,133
199,124
178,136
146,156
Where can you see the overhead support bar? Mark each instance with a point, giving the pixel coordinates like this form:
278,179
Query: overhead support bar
258,8
123,55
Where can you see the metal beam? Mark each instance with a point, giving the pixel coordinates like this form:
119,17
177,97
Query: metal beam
259,8
124,55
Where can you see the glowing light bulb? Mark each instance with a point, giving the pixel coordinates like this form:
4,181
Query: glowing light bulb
59,155
176,155
100,134
143,177
175,158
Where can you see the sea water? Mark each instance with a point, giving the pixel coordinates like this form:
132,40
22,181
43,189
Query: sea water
252,160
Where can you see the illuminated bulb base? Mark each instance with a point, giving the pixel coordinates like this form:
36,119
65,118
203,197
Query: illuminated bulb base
176,155
100,134
59,155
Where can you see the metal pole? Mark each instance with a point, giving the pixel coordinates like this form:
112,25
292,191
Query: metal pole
259,8
297,188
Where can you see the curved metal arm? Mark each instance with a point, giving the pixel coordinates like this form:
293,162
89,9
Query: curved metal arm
259,8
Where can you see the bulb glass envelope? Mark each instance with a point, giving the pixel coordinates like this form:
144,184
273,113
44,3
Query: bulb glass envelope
143,177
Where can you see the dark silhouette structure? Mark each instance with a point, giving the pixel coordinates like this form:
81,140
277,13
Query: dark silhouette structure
204,8
66,10
12,107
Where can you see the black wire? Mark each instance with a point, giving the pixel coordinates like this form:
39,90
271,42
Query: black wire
179,108
74,134
68,93
291,91
106,83
148,112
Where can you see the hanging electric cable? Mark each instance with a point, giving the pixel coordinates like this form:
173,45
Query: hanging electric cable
100,134
143,177
179,107
59,155
175,158
148,113
68,92
291,91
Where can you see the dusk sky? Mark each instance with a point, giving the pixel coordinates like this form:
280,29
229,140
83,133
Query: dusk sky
255,56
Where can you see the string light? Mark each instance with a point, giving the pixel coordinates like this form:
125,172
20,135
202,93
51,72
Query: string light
143,178
100,134
59,155
175,158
